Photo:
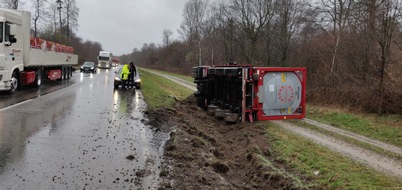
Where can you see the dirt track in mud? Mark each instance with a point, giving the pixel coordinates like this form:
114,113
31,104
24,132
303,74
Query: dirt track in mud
206,153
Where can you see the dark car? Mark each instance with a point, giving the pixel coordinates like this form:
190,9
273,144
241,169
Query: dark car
118,82
88,67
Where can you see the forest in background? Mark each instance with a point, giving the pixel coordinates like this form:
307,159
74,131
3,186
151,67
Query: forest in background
352,49
57,21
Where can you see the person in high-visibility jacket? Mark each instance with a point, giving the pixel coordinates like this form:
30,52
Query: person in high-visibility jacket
124,75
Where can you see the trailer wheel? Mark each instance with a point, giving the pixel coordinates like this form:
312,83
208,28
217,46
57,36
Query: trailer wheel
63,73
38,78
201,102
68,72
14,82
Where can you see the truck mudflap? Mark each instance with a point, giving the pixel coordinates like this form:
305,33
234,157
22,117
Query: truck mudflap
252,93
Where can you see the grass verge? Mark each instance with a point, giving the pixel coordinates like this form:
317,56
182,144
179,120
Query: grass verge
161,92
184,77
384,128
348,139
327,169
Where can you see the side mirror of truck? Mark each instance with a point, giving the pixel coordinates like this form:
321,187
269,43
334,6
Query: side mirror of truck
13,39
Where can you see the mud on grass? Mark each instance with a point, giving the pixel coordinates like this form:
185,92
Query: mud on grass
206,153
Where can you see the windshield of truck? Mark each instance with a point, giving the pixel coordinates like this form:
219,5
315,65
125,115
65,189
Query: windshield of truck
103,58
1,32
7,32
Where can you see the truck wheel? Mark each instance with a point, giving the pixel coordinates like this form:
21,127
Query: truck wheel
38,78
201,102
68,73
14,83
63,73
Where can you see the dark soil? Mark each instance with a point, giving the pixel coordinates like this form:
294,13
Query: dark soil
207,153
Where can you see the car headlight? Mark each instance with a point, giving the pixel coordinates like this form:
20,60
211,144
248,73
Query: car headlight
117,78
82,67
92,68
137,80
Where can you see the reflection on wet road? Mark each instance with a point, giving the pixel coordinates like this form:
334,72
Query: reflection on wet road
81,136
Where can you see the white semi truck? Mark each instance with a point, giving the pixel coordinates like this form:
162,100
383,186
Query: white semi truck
25,60
105,59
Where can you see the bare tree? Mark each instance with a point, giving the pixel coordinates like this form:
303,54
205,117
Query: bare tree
12,4
166,37
225,30
252,16
291,15
191,27
72,12
39,12
385,30
336,12
59,8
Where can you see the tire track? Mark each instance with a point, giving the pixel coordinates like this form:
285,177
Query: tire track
355,136
376,161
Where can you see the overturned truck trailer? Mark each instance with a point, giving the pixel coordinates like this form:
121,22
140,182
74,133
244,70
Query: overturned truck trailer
245,93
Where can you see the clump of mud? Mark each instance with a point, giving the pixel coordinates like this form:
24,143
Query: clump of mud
207,153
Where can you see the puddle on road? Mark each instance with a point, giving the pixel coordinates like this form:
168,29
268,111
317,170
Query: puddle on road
92,143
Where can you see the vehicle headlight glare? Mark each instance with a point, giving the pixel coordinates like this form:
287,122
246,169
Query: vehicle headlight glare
117,78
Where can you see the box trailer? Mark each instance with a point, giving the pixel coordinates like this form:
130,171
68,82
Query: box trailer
25,60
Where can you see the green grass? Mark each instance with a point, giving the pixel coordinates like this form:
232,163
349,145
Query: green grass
335,171
384,128
347,139
298,181
161,92
184,77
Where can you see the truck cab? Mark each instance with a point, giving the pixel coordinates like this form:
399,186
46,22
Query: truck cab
105,59
11,50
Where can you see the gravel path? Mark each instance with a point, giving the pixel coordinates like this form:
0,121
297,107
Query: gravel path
364,156
376,161
355,136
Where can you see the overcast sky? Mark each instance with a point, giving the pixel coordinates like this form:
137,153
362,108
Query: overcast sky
121,25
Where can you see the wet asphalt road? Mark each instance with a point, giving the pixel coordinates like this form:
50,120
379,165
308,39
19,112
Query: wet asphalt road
77,134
